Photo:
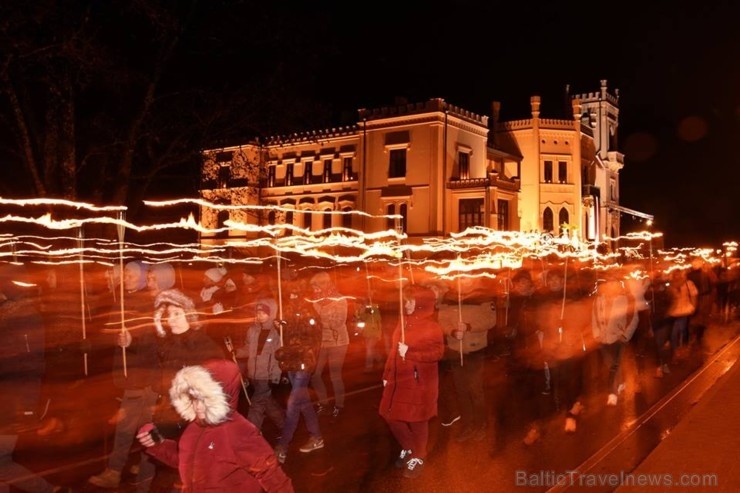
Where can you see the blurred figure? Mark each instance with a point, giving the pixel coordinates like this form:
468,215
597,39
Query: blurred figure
262,339
137,376
465,321
411,379
563,344
683,294
611,325
705,282
217,302
529,374
160,277
331,311
21,373
297,358
250,288
368,325
637,283
662,325
219,450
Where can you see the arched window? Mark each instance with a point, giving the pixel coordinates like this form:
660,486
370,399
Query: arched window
327,218
547,220
289,221
271,218
347,218
563,218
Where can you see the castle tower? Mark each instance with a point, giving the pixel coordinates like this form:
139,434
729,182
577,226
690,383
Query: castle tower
600,110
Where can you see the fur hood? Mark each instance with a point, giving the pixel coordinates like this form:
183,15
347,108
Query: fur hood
216,383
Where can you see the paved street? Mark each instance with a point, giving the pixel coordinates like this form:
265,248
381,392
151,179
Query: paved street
359,450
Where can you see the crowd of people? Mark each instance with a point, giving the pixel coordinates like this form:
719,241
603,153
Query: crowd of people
197,365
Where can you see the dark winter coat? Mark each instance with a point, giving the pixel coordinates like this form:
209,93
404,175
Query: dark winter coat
225,452
412,385
21,361
142,363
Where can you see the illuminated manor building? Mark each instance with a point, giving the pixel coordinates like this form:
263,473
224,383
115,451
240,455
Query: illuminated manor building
441,167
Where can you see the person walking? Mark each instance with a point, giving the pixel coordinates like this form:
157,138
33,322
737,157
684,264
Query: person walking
263,370
137,375
297,358
465,318
220,450
331,310
411,379
21,371
612,328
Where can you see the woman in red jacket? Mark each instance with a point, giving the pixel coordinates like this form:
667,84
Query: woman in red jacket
411,379
219,450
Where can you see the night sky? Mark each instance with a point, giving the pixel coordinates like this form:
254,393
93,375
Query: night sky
676,65
241,68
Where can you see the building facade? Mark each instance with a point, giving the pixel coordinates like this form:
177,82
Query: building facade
438,166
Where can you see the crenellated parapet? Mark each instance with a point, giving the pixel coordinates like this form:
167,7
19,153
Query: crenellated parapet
431,105
312,135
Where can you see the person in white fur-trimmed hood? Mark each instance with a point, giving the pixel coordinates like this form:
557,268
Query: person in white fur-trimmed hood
220,449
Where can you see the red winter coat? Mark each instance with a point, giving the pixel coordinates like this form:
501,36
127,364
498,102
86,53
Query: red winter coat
226,453
413,382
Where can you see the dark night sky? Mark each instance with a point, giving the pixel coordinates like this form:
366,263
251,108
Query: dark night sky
674,63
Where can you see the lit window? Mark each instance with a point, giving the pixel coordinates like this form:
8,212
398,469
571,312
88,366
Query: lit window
562,172
548,171
307,167
347,169
289,174
547,220
502,207
288,221
563,218
397,165
470,213
224,175
326,176
463,163
347,218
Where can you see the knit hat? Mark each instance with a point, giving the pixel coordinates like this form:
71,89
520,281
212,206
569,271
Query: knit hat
215,274
164,274
138,272
174,297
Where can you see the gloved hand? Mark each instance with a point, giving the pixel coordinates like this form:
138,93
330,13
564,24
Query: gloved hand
459,332
402,348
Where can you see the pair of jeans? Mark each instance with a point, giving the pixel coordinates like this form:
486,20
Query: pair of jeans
299,403
680,332
612,354
136,410
334,357
468,379
264,404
